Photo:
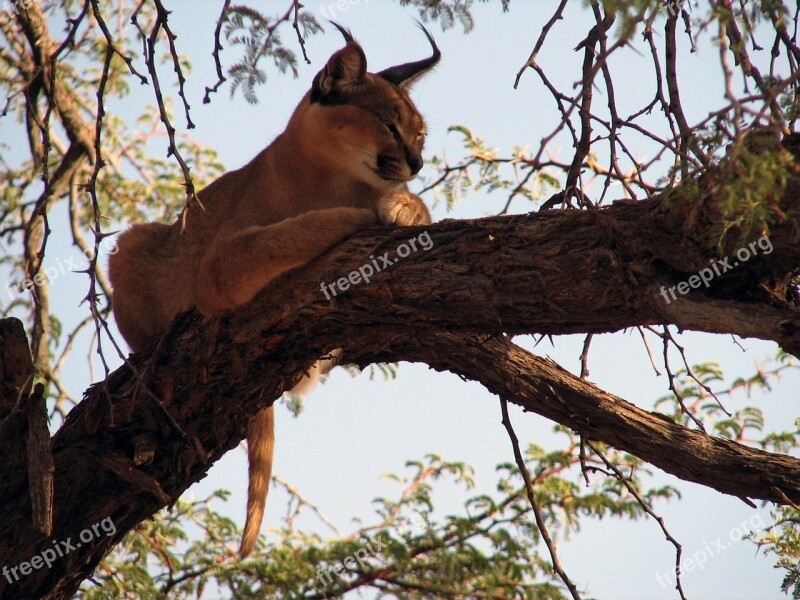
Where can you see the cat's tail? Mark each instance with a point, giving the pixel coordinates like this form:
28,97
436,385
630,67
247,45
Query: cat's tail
260,448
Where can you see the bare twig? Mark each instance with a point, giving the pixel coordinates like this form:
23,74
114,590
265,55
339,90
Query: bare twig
217,48
149,42
646,507
537,512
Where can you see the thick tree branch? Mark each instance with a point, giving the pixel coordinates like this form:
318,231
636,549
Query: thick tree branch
45,53
449,306
540,385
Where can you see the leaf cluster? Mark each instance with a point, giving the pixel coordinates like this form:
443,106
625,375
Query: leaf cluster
258,36
410,550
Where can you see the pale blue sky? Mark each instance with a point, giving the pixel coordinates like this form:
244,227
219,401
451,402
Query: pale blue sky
355,429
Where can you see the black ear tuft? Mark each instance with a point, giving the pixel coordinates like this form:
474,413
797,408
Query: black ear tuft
406,74
348,37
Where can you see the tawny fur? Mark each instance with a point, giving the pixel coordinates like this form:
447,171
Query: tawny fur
341,165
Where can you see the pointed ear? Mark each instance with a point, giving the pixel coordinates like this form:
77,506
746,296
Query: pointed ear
345,69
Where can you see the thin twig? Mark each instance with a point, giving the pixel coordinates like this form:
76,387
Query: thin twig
223,15
646,507
537,512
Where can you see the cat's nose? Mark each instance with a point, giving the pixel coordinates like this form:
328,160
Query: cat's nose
415,163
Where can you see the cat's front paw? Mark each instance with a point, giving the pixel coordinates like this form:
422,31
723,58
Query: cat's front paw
403,208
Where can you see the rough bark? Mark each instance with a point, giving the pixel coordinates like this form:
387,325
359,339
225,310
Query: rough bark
450,307
23,418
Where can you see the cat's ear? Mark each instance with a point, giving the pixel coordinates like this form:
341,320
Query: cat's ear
344,71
